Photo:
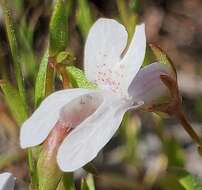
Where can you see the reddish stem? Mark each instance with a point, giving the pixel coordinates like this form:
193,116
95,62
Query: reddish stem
182,119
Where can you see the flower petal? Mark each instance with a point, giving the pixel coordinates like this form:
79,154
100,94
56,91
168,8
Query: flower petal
36,129
7,181
88,138
147,85
133,59
105,43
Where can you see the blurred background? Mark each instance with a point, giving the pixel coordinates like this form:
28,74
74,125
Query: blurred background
146,146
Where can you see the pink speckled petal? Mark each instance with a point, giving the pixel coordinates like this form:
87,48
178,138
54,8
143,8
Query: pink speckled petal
104,45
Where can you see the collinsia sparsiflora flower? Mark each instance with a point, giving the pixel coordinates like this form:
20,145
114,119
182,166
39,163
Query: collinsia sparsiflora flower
93,116
7,181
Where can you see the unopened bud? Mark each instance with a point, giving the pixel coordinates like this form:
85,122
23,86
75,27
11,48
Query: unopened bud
148,87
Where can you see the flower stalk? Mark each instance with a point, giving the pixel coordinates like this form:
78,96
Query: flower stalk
49,174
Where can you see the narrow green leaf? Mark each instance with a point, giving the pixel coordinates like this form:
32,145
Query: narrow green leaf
123,11
90,182
68,181
15,102
83,17
186,179
40,86
59,27
32,169
78,78
135,5
11,33
84,185
18,4
128,18
25,38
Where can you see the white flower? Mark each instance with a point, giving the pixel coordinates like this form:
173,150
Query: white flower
95,115
7,181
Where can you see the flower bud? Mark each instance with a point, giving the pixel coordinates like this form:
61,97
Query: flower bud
148,86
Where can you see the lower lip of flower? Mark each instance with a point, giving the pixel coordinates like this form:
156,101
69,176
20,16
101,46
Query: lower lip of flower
71,115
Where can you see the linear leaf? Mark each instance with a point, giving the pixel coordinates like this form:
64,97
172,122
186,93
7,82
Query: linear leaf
186,179
11,34
59,27
84,17
90,182
15,102
40,85
25,38
135,5
84,185
68,181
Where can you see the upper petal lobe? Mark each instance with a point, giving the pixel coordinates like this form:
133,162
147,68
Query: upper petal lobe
104,45
133,59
